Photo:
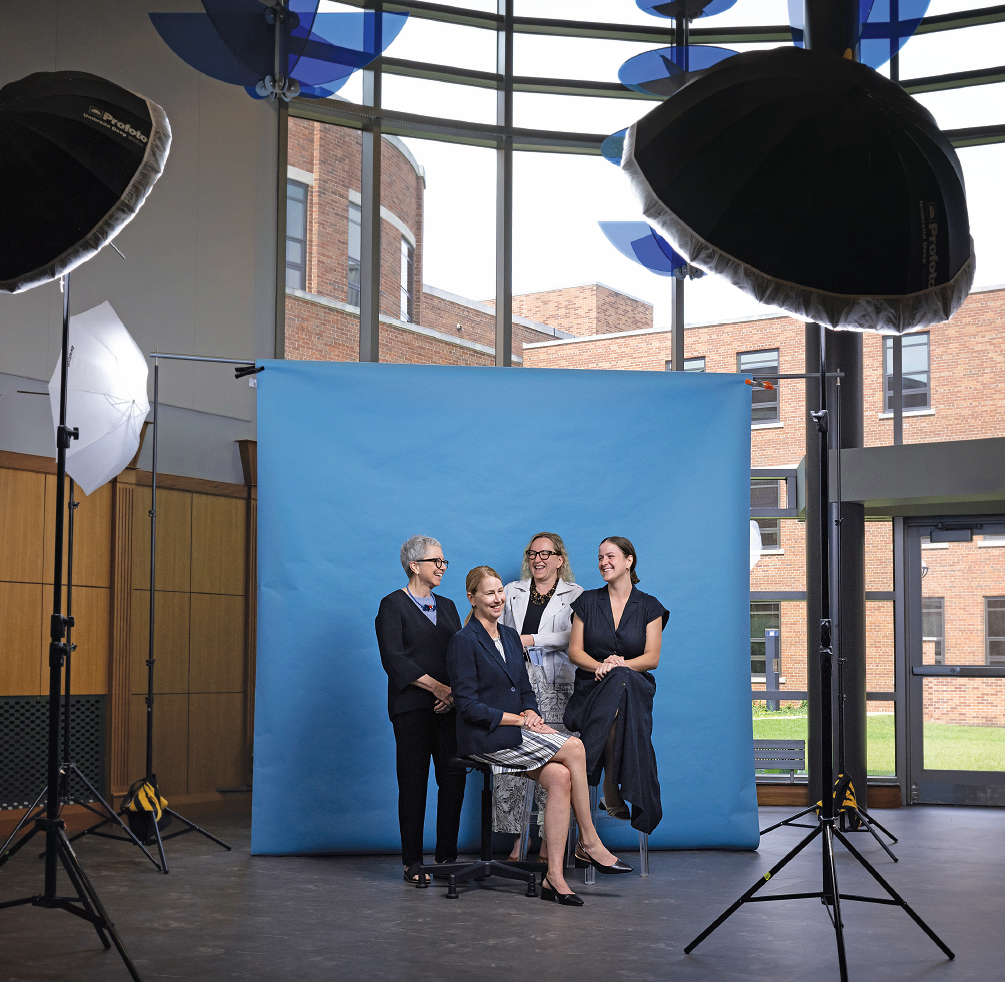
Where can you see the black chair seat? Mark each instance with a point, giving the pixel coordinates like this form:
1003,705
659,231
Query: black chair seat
480,869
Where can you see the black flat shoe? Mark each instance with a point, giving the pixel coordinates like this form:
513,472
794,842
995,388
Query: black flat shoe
565,899
617,866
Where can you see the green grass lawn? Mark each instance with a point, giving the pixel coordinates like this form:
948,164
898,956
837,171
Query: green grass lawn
947,747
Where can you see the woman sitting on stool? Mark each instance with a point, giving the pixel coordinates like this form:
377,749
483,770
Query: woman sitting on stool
615,644
498,724
413,627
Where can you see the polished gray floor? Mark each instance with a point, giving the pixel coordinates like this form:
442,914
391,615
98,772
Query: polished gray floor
221,915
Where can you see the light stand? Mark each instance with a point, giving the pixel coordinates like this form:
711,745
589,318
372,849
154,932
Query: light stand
86,904
849,811
829,894
149,776
67,768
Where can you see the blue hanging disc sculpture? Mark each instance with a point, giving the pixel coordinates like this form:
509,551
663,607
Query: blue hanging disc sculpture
689,9
613,147
664,70
886,27
278,51
640,243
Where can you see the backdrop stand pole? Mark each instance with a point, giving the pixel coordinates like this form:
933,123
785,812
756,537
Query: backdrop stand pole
829,894
58,851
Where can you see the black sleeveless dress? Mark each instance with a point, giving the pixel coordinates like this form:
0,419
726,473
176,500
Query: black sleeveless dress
623,696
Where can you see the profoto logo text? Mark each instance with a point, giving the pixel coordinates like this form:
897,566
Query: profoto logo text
932,242
106,119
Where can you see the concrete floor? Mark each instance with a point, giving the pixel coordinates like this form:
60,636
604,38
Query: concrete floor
226,915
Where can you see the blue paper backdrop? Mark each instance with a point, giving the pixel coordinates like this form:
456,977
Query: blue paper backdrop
354,458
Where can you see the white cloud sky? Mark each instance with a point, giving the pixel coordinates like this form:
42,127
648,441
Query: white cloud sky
559,198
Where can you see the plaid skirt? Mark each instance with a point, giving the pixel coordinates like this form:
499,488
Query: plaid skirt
533,751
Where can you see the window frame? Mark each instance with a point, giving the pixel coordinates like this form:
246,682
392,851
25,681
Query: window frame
301,268
353,263
762,399
940,641
888,373
989,638
691,361
755,677
407,308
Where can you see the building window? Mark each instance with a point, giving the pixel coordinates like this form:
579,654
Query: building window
763,617
355,223
690,365
296,235
994,630
764,402
933,626
763,495
917,388
407,281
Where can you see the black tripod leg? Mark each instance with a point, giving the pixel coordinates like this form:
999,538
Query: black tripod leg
192,827
872,832
94,918
70,861
28,816
835,898
160,846
864,814
10,853
896,896
787,821
757,886
112,816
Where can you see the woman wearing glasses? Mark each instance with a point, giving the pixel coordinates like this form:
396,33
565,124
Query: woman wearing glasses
414,627
615,645
539,608
498,723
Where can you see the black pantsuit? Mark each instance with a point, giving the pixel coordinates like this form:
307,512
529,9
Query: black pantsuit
412,646
419,735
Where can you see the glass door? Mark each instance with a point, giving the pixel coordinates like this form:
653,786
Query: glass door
956,659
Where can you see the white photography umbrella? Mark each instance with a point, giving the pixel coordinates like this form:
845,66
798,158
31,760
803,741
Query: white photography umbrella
755,543
106,396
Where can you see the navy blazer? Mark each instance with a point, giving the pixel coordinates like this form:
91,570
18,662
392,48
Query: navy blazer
484,687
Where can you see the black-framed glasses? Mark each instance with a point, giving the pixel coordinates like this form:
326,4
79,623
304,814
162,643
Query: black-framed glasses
543,553
440,563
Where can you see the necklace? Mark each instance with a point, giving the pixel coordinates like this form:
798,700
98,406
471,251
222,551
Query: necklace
419,603
539,599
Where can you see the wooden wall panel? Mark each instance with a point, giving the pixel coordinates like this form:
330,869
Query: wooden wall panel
171,642
22,503
218,547
89,673
92,535
217,644
174,539
170,742
215,751
21,606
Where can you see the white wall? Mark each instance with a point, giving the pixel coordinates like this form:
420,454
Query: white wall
199,274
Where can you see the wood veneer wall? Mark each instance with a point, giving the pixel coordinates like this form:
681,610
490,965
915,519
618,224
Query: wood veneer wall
204,642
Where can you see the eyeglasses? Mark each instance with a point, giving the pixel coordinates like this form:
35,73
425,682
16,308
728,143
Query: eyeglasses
543,553
440,563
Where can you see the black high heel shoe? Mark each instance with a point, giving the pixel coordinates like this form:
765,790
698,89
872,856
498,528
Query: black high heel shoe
582,856
565,899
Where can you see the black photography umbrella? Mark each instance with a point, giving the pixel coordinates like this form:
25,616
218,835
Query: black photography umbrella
78,154
812,183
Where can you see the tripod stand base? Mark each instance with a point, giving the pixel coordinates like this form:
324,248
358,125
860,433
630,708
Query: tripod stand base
86,904
829,894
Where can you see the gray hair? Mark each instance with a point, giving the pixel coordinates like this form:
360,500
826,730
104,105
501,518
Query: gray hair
415,548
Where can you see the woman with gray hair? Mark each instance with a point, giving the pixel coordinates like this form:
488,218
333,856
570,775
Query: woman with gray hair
414,626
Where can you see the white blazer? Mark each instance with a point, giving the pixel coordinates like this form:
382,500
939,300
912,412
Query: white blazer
556,619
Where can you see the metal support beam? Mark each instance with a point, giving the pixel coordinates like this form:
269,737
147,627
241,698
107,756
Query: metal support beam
504,188
282,123
369,264
677,325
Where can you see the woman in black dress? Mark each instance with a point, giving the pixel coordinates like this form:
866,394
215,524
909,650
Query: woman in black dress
615,645
414,627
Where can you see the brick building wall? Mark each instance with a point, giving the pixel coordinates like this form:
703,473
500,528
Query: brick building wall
967,402
584,310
